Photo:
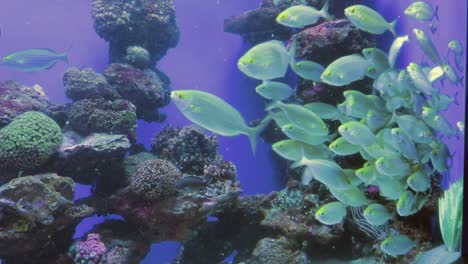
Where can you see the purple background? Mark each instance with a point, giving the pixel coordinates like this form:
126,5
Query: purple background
204,59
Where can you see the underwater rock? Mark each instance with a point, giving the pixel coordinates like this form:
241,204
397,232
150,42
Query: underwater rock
331,40
101,116
150,24
28,142
188,148
174,217
88,159
279,251
137,57
87,84
258,25
289,211
236,229
16,99
37,218
59,113
155,179
114,241
147,92
131,163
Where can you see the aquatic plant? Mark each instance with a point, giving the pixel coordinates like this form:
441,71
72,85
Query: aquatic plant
451,214
28,141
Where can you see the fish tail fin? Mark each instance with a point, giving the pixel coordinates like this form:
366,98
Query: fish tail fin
272,105
292,54
436,13
253,132
324,11
392,27
455,98
64,57
298,163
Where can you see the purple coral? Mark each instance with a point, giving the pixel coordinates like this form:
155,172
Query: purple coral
16,99
89,251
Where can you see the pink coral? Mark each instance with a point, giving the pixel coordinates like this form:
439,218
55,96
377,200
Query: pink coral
91,250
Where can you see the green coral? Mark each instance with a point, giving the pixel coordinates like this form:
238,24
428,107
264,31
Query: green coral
28,141
451,215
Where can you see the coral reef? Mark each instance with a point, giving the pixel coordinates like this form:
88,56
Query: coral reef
15,99
330,40
188,148
89,251
138,57
87,84
91,158
280,250
28,142
146,23
101,116
37,212
155,179
145,91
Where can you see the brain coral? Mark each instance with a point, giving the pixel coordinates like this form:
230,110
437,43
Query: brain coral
155,179
28,141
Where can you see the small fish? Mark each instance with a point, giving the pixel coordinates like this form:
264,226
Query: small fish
379,149
191,182
395,49
356,104
302,118
437,121
379,60
404,144
389,187
351,196
326,172
414,128
377,214
451,74
300,16
343,148
296,151
309,70
331,213
461,126
296,133
392,166
265,61
369,20
214,114
427,46
367,174
357,133
323,110
351,177
422,11
33,60
376,120
274,90
396,245
345,70
419,79
435,74
441,102
409,204
420,180
455,46
440,155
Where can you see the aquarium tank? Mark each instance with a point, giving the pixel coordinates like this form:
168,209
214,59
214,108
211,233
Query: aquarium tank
232,131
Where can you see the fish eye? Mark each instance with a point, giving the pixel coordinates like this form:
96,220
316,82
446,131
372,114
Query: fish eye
7,58
180,96
329,73
251,60
353,11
